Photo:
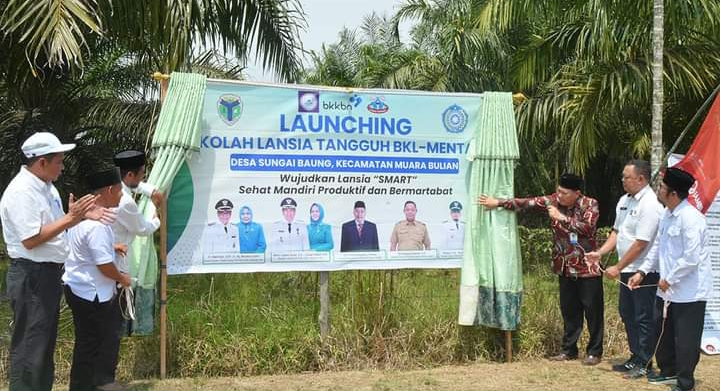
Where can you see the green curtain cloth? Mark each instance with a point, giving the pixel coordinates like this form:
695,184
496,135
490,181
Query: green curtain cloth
491,278
176,135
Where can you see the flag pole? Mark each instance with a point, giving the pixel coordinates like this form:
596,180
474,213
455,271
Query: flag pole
164,81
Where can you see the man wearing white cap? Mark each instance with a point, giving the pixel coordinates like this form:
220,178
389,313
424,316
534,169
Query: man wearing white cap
34,225
289,234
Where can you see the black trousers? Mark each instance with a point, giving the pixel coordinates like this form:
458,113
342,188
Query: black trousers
34,290
582,297
679,348
636,310
109,352
92,327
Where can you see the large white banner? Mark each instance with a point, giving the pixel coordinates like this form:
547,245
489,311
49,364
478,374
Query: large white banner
711,333
310,178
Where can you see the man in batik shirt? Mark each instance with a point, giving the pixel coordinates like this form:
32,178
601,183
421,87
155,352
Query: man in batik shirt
573,220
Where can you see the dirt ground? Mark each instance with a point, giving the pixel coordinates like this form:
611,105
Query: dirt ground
519,376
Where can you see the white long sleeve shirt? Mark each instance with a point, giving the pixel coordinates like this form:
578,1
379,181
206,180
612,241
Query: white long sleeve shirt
680,254
131,222
289,236
219,238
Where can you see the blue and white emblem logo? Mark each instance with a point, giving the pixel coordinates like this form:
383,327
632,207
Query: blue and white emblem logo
455,119
230,107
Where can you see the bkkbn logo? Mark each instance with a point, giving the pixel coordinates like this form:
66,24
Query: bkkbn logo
336,105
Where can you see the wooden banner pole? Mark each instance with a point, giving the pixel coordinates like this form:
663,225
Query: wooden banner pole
508,346
164,83
324,317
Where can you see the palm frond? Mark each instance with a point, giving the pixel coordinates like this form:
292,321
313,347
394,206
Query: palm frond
53,31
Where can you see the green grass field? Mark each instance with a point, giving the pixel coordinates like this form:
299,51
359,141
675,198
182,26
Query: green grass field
252,324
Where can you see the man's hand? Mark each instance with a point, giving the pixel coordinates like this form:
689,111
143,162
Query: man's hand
593,256
104,215
592,260
125,280
663,285
78,208
487,201
612,272
157,198
121,249
635,280
555,213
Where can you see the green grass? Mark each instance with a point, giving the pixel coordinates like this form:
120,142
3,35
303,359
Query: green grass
250,324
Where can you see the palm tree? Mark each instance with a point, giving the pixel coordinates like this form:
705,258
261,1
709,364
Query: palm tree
656,154
601,54
585,65
585,68
462,55
91,85
371,57
161,33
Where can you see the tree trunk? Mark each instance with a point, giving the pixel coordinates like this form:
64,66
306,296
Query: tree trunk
656,153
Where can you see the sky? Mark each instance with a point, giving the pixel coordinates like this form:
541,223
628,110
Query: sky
326,18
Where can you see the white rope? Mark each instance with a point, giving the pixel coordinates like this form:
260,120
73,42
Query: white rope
666,305
626,285
127,300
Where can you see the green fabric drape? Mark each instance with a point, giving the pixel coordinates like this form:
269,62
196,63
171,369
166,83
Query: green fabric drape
177,133
491,278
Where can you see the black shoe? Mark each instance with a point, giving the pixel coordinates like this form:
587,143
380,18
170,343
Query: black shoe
628,365
660,378
636,373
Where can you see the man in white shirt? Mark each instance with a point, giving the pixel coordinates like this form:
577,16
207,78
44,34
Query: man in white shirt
34,224
221,236
130,223
454,228
90,282
679,253
289,234
637,217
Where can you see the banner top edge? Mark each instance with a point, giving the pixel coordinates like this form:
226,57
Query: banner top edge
350,89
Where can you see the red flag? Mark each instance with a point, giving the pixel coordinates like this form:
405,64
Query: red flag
702,161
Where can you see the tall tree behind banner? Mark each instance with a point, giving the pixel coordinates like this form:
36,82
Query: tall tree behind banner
658,97
703,160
